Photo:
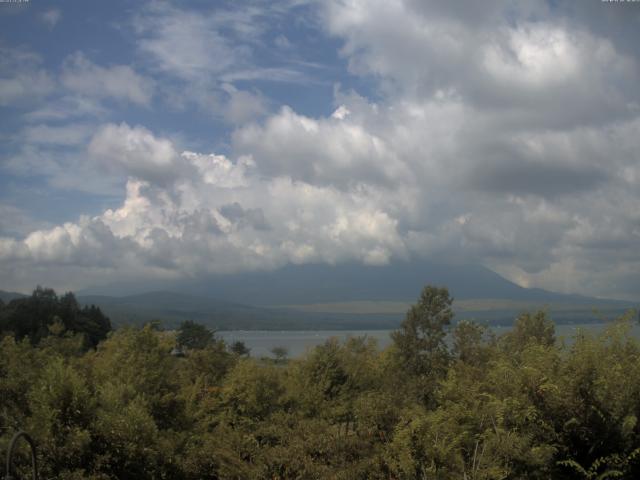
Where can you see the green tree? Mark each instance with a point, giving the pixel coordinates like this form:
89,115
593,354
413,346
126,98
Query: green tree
280,354
194,335
29,317
472,342
240,349
62,409
529,329
252,392
32,316
420,342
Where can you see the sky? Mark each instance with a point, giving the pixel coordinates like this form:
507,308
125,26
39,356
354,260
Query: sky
162,140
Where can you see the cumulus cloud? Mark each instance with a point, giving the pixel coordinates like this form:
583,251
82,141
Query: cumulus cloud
192,213
332,150
242,106
548,71
135,151
225,219
499,134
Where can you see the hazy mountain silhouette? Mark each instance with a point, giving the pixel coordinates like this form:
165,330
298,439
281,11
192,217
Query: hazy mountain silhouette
6,297
304,284
170,308
255,300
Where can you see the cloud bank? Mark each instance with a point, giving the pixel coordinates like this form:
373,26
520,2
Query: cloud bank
495,134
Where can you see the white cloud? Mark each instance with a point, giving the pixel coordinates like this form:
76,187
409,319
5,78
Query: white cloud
340,113
542,68
22,79
243,106
135,151
282,42
121,82
330,150
227,218
377,185
51,17
200,57
66,135
501,134
185,44
537,56
67,107
61,167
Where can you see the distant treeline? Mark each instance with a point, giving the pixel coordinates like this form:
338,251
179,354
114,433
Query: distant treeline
149,404
44,313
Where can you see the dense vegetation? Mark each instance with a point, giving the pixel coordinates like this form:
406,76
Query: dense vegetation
44,312
523,405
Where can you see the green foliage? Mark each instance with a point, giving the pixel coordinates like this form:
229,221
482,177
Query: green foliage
32,317
280,354
240,349
194,335
420,343
528,328
472,343
62,411
471,407
252,392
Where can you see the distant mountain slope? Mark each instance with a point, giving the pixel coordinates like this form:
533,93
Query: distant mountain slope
308,284
294,288
6,297
343,296
171,308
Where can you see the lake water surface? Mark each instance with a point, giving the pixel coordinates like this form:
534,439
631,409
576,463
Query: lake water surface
298,342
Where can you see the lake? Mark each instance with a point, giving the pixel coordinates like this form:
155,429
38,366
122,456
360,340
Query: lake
298,342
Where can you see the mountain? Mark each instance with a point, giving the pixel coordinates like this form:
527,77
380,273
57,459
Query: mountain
346,296
171,308
6,297
311,284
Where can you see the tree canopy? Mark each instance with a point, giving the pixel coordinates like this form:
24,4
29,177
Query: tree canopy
33,317
444,401
194,335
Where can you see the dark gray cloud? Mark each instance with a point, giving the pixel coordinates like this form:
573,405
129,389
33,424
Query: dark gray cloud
532,177
253,217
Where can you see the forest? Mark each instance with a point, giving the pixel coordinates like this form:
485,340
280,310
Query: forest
447,400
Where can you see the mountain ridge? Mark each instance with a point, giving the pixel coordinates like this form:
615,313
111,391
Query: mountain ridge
344,296
321,283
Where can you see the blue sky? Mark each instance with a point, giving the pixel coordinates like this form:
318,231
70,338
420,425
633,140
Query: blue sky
106,35
172,140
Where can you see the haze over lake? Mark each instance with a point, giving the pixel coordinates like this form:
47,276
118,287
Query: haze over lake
297,343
